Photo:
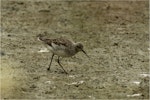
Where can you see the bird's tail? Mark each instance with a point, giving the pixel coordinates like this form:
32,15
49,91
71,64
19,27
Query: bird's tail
40,37
44,40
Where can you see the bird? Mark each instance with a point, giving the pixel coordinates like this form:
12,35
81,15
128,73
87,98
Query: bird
61,47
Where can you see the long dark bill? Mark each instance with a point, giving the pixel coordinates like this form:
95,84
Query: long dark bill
85,53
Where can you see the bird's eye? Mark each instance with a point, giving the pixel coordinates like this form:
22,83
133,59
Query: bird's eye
80,47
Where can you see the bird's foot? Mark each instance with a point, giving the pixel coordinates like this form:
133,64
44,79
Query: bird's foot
48,69
66,72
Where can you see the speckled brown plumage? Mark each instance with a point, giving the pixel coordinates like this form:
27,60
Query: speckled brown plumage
62,47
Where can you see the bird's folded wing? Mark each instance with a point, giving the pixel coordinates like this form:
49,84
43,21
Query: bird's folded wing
58,47
59,42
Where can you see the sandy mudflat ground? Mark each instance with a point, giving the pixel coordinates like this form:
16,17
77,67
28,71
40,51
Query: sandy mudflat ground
115,35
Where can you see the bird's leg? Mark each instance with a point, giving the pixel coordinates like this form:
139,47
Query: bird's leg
61,65
50,62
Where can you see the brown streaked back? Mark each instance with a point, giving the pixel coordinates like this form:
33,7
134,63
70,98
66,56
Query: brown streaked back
57,41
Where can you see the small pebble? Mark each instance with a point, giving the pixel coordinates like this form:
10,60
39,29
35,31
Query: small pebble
2,53
9,35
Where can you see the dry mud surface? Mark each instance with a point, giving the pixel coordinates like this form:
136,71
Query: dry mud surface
115,35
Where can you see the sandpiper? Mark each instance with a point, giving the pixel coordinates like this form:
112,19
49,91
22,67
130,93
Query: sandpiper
62,48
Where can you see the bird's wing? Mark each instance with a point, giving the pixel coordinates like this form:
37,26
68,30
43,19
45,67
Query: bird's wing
58,43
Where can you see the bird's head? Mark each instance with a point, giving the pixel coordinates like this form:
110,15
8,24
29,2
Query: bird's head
79,47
